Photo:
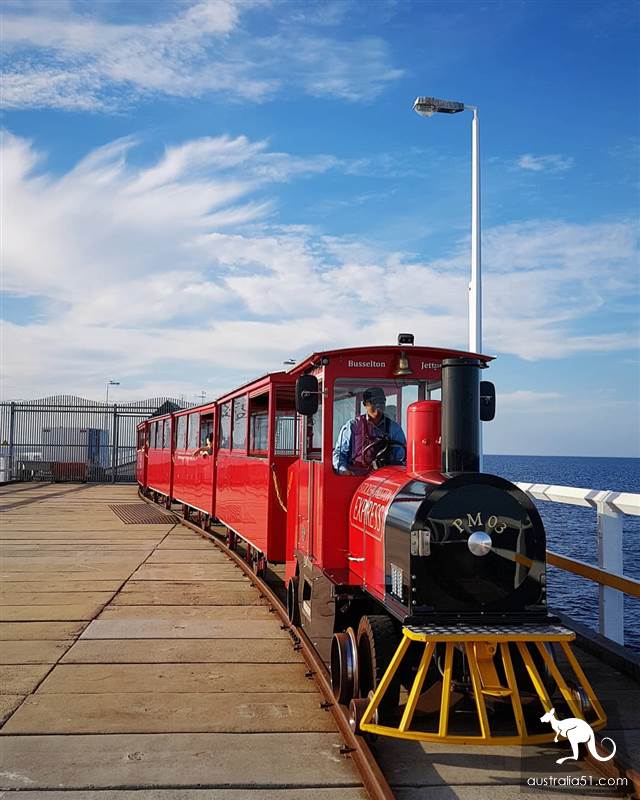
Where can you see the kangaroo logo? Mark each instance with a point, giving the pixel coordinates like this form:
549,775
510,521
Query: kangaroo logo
577,731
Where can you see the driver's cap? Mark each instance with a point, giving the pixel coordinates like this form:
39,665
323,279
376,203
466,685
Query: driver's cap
375,395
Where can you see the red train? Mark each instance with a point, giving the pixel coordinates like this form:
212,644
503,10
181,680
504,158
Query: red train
359,470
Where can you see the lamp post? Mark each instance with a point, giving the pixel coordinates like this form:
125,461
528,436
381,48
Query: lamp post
110,383
426,107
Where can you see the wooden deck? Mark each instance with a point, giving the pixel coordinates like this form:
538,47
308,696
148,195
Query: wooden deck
137,662
137,656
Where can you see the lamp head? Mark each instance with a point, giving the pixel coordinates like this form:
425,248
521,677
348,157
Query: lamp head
428,106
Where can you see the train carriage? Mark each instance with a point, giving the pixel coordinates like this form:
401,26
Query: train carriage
194,459
157,459
256,444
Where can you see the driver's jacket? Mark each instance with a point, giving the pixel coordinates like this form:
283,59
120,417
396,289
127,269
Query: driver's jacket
352,449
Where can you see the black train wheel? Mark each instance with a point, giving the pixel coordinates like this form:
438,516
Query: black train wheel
293,609
377,642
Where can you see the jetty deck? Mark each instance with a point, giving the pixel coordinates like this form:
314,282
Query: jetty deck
136,661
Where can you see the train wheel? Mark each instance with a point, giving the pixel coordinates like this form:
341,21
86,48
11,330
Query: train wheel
258,563
293,609
344,666
377,642
357,707
582,700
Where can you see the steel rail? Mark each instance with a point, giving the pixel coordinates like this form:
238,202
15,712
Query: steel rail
356,747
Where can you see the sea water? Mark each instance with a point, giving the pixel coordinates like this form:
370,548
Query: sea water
572,530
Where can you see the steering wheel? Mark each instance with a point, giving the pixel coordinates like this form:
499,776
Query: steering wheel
385,443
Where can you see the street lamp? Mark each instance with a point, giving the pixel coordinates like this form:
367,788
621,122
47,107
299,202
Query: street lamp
426,107
110,383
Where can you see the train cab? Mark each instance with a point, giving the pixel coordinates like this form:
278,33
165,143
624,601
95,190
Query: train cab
326,553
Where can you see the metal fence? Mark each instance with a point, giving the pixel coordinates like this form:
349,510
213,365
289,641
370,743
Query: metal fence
68,438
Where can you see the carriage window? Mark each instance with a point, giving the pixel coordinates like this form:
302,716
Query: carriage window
154,435
140,438
181,430
224,428
286,422
166,439
206,429
193,431
239,432
259,425
312,428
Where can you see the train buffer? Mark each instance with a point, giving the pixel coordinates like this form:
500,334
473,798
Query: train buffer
137,659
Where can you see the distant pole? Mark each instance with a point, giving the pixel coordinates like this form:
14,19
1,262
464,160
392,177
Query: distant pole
110,383
202,396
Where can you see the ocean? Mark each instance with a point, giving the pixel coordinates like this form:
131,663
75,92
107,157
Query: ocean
571,530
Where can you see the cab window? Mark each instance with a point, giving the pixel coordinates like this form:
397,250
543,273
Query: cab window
353,428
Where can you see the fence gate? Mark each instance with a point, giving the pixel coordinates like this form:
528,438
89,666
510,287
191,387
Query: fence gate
67,438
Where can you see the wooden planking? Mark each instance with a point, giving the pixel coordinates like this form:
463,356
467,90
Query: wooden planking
173,760
174,678
184,643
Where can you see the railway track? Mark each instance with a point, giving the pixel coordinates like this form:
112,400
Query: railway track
355,747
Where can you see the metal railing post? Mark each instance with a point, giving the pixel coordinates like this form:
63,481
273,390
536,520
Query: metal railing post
610,558
12,426
113,445
116,443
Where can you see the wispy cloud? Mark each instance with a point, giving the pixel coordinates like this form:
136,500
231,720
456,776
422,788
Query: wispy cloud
181,262
69,59
550,163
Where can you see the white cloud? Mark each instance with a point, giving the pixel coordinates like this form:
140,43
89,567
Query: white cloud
61,58
173,268
550,163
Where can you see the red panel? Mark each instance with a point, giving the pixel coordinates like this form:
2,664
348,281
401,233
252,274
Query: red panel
193,480
159,470
367,517
243,487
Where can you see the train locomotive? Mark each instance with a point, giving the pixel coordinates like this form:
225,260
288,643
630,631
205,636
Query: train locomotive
419,579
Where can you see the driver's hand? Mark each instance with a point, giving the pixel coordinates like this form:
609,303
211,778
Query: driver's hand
345,471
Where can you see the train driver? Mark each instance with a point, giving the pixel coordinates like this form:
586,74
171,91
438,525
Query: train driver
357,449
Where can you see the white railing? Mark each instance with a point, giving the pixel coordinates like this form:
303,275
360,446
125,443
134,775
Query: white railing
610,508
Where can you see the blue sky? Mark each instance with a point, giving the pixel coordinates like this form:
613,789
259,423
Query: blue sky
194,192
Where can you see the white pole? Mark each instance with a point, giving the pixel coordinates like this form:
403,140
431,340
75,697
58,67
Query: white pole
475,286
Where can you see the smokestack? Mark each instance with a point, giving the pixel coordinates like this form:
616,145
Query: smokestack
460,415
